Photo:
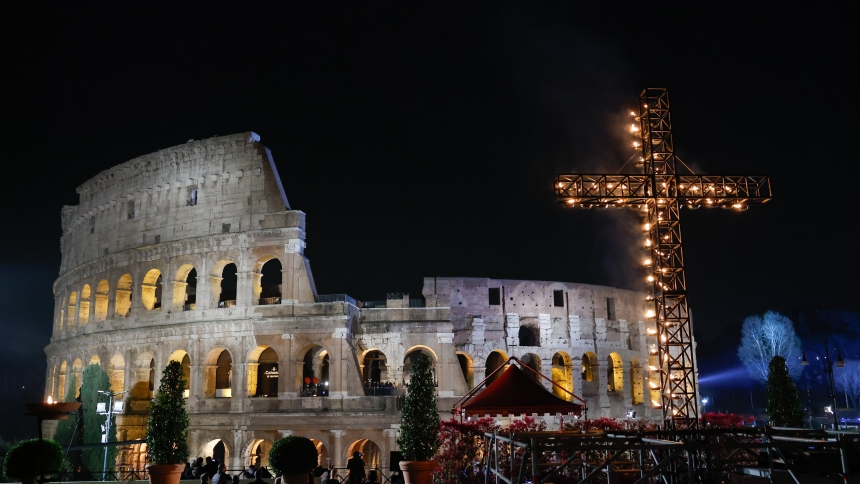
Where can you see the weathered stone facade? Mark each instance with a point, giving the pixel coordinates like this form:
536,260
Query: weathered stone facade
194,254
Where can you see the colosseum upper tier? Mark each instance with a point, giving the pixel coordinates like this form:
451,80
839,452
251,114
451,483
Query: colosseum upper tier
194,254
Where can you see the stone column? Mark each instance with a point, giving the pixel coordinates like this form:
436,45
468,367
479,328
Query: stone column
291,271
286,377
208,291
337,365
338,451
445,367
513,329
178,299
209,380
244,288
253,374
238,386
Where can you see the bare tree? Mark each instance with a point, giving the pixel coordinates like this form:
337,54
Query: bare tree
847,380
764,337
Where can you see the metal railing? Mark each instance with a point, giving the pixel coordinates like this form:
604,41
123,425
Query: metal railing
373,304
325,298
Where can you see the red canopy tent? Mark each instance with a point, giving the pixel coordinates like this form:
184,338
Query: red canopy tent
515,393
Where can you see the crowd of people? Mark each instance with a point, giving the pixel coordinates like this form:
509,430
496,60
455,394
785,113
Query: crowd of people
377,388
210,471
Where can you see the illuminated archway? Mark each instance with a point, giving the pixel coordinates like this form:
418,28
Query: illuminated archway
116,372
637,391
467,368
532,361
268,277
216,449
372,453
589,375
101,309
562,375
412,355
61,383
263,374
151,290
258,453
123,296
73,304
84,312
495,360
314,378
185,288
185,361
614,373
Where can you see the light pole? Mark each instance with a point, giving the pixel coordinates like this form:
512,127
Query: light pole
108,413
828,368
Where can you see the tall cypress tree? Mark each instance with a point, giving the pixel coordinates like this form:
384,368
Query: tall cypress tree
419,427
94,380
783,403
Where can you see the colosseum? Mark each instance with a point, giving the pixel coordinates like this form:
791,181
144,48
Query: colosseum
194,254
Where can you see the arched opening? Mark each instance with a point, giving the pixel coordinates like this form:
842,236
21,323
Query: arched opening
372,454
101,308
61,383
263,372
562,375
116,372
77,370
315,372
84,315
614,373
150,290
224,375
532,361
185,361
637,389
466,367
123,296
131,458
227,286
217,450
495,360
185,288
71,312
258,453
529,335
654,382
411,356
589,375
144,377
95,360
375,374
268,289
322,451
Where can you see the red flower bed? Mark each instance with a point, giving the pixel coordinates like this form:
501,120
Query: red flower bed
715,420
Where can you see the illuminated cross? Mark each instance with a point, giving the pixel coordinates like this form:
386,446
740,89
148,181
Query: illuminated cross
662,192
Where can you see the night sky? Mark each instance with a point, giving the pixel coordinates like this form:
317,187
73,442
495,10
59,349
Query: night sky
424,140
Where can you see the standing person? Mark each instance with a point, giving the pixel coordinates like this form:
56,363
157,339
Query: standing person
250,472
210,468
221,477
332,478
355,466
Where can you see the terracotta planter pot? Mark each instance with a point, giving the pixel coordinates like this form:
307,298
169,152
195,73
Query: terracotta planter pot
417,471
165,473
302,478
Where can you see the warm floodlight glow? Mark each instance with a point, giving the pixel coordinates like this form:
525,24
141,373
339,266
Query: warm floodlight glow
649,314
652,331
50,400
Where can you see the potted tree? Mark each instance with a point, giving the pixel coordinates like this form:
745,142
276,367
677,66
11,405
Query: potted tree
22,461
419,427
167,429
294,457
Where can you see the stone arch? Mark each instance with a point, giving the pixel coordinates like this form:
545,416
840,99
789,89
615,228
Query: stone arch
374,366
313,376
184,360
61,382
77,372
532,361
268,278
185,287
220,370
116,372
322,452
101,299
562,375
144,376
224,283
217,449
467,367
614,373
262,378
122,306
637,390
72,309
589,375
257,453
529,334
410,356
151,289
495,360
371,450
84,305
95,360
654,382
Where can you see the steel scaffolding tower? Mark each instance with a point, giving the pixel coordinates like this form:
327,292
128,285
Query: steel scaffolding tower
662,192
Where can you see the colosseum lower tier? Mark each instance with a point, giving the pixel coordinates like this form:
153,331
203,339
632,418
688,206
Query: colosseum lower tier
193,254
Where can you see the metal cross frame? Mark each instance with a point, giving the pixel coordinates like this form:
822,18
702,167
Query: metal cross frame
662,192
